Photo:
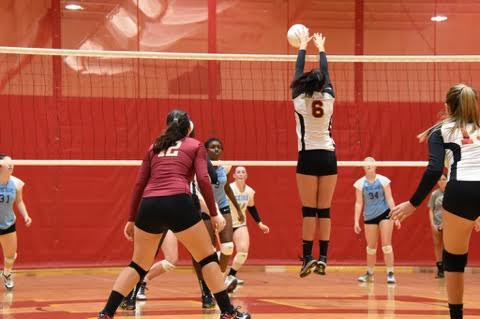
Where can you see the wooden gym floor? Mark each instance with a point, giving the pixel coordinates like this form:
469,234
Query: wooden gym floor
269,292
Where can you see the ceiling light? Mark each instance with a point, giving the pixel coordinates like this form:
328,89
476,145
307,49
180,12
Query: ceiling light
439,18
73,6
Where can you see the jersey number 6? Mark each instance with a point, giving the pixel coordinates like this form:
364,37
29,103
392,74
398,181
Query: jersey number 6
317,110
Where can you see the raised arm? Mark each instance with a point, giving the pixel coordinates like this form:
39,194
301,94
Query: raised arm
302,51
319,41
300,64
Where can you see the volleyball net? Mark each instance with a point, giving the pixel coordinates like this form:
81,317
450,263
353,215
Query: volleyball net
73,107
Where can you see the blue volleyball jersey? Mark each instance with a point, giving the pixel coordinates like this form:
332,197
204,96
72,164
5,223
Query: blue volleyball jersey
8,195
375,203
219,188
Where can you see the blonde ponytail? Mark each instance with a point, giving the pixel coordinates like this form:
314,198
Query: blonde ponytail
462,103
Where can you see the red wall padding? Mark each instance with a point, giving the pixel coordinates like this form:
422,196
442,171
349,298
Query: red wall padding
79,212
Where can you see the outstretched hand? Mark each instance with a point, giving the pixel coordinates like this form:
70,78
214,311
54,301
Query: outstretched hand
304,38
319,41
402,211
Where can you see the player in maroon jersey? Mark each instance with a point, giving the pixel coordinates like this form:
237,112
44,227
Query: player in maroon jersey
162,200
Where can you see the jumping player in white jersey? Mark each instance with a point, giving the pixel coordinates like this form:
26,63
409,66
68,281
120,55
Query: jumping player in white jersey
241,238
456,140
313,98
11,192
435,213
373,195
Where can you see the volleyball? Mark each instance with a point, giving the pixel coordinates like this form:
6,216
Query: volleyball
292,34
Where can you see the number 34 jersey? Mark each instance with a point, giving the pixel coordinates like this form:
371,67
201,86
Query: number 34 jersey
313,116
375,203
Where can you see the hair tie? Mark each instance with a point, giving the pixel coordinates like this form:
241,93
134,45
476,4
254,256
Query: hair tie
190,128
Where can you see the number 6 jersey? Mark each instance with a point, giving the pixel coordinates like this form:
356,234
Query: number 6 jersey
313,116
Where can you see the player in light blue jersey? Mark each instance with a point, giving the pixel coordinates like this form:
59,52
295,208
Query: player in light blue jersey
373,194
223,193
11,190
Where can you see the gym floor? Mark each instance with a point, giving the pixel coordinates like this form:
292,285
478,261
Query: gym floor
268,292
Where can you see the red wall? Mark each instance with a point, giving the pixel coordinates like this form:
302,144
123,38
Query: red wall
86,108
79,212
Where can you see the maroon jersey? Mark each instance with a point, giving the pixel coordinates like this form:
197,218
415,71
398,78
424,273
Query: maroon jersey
170,172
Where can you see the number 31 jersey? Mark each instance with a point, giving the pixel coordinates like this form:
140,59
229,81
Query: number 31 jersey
313,116
8,195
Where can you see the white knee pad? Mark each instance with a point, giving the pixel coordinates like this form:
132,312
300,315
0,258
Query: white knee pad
371,251
387,249
226,248
167,266
11,260
240,259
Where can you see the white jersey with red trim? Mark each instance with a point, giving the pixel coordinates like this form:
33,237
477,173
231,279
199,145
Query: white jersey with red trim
313,116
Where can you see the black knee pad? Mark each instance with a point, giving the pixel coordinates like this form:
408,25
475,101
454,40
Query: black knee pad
141,272
309,211
213,258
454,263
323,212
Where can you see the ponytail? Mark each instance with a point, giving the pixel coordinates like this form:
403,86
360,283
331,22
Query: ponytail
308,83
178,128
462,106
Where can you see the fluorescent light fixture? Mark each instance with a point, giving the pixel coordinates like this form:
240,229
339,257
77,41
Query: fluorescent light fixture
439,18
73,6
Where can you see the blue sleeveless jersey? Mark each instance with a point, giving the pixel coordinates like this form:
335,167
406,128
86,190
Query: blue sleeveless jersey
8,194
375,203
219,188
374,198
